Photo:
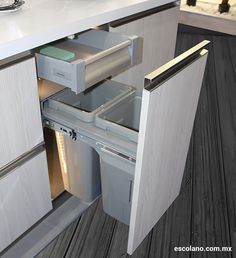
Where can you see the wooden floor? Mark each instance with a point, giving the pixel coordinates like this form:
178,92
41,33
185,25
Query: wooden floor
204,214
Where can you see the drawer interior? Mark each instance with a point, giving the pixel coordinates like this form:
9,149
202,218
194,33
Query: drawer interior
125,113
86,104
94,97
80,51
122,117
91,43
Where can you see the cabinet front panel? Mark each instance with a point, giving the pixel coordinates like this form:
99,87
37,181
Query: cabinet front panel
169,105
20,116
159,32
24,197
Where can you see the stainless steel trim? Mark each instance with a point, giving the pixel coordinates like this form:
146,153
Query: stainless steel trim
15,59
115,152
21,160
143,14
130,190
157,77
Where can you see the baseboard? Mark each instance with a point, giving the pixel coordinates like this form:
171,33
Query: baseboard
66,210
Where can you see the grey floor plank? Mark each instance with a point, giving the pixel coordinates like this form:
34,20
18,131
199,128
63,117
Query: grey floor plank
47,251
98,231
99,235
230,145
58,247
143,249
118,245
225,63
78,239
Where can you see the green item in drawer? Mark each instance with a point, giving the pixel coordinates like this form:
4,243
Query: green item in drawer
57,53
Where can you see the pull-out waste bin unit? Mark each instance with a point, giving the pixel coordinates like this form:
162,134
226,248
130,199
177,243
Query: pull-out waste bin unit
80,162
84,156
142,139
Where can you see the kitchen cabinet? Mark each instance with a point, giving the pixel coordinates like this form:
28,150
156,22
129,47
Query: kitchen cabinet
24,183
158,28
169,102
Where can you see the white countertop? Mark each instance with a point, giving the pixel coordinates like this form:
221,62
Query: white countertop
40,22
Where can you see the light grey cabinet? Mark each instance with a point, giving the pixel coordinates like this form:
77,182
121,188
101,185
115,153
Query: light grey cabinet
24,183
24,197
21,126
158,29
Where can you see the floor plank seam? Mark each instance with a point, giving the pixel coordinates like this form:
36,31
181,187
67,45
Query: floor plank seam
225,184
149,243
106,255
191,185
222,156
72,236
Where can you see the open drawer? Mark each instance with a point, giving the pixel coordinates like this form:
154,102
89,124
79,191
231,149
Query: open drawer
165,113
91,57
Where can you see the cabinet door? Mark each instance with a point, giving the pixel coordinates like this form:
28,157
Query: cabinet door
159,32
24,197
169,104
21,127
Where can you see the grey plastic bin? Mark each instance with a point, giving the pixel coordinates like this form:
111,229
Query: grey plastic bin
80,168
122,117
117,169
79,161
117,176
86,104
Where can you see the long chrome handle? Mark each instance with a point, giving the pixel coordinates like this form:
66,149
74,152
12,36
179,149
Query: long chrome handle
112,151
143,14
4,63
21,160
157,77
130,190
